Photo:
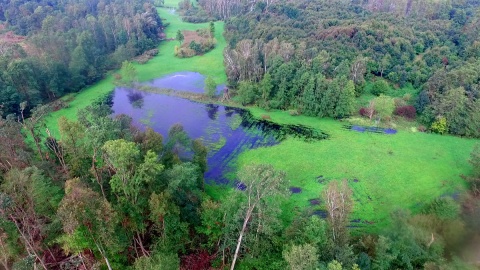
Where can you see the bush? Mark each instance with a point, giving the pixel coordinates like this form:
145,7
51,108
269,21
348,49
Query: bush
380,87
440,125
408,112
365,112
422,128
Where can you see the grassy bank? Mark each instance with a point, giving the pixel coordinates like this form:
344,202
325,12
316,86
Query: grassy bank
209,64
404,170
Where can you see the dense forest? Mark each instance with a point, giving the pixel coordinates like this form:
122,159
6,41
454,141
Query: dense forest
305,55
59,47
105,194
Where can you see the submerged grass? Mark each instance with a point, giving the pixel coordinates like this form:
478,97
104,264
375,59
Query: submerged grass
386,172
209,64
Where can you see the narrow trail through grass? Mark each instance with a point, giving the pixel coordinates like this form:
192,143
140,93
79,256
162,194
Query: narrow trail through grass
209,64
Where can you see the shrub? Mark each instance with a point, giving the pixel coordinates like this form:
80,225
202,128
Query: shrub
422,128
380,87
408,112
440,125
293,112
366,112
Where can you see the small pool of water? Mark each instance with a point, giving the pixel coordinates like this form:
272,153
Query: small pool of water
183,81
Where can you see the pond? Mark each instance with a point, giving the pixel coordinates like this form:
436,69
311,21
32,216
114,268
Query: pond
183,81
226,131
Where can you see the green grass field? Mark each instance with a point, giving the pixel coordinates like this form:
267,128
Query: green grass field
405,170
209,64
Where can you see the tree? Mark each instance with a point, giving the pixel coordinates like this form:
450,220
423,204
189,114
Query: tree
128,73
302,257
212,29
159,260
32,123
380,87
28,200
130,174
88,220
247,92
265,87
346,100
210,87
262,183
384,106
339,203
179,37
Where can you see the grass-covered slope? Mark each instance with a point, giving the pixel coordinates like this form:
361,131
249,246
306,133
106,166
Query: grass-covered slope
209,64
405,170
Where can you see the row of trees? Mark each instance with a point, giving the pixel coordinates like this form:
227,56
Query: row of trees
434,50
70,44
105,194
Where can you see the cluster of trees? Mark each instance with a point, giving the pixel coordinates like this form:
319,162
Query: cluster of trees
198,42
69,44
105,194
428,45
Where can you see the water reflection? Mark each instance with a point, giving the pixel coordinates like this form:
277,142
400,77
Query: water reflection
226,131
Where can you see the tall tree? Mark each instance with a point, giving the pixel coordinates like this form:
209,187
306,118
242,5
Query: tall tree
262,183
339,205
88,220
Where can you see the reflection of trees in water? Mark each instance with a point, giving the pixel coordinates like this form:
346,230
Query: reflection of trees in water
229,111
135,98
212,111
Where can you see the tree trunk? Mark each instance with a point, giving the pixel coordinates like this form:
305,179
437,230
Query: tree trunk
240,237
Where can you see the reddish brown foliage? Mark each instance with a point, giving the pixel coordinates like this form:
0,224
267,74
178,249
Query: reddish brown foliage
197,261
266,117
366,112
408,112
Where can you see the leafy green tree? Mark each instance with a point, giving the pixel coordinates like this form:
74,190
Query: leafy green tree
302,257
28,200
130,174
266,87
262,183
88,220
165,216
339,205
440,125
380,87
247,92
212,29
445,208
309,100
159,260
334,265
383,254
384,106
180,36
210,87
346,100
212,222
128,73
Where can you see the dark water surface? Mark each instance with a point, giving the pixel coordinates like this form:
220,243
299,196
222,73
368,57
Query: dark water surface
226,131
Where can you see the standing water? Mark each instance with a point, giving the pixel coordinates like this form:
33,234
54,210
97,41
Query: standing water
226,131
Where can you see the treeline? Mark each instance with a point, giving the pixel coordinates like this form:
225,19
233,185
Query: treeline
105,195
428,47
69,44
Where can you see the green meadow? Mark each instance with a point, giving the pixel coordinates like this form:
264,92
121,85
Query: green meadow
405,170
209,64
386,172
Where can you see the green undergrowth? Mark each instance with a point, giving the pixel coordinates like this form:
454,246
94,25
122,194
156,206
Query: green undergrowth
209,64
405,170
